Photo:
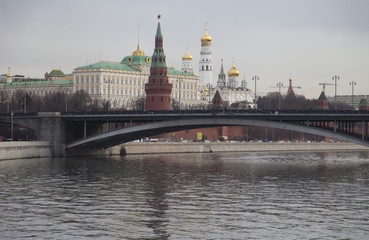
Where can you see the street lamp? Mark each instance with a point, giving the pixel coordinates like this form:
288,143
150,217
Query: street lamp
179,92
353,83
109,94
335,78
25,98
66,101
279,85
255,78
11,135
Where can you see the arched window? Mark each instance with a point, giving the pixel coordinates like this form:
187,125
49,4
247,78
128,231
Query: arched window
207,67
202,68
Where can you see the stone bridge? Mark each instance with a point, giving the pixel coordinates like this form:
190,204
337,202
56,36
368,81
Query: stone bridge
81,131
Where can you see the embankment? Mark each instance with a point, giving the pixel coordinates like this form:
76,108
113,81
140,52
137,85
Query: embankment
17,150
201,147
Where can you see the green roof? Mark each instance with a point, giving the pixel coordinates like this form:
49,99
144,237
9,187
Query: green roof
109,65
38,83
363,102
56,73
172,71
136,60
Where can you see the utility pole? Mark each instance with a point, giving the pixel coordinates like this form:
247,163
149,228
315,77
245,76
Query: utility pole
352,83
12,125
335,78
255,78
279,85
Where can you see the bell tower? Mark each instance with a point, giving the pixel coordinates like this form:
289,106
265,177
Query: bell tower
158,89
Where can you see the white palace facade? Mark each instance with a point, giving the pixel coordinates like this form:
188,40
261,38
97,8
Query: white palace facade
122,83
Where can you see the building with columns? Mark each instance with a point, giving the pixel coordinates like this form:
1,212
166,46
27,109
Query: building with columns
123,83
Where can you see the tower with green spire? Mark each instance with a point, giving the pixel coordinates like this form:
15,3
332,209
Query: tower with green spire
158,89
222,82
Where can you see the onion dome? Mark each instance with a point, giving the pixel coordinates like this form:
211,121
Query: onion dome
206,39
187,56
138,52
200,85
206,90
9,75
233,72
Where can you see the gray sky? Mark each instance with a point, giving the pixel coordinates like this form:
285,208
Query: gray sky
309,40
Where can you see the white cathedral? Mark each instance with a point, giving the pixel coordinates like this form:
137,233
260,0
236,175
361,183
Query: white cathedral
230,91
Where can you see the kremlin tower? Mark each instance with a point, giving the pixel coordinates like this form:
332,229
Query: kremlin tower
290,89
158,89
187,63
233,73
206,64
222,82
322,102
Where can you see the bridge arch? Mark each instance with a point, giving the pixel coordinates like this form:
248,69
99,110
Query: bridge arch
127,134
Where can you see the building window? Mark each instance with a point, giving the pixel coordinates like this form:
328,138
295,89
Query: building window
207,67
202,67
161,98
152,99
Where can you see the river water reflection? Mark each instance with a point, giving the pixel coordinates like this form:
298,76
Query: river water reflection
315,195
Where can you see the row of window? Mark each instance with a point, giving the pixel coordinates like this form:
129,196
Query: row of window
206,68
133,92
129,81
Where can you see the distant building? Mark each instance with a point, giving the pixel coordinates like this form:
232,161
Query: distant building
322,102
364,104
290,88
217,101
35,86
55,74
347,99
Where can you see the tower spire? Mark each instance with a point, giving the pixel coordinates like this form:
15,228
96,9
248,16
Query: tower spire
158,89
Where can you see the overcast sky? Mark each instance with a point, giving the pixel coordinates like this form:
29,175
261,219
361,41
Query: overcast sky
310,40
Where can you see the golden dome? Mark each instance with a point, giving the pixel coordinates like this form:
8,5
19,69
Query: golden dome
206,90
187,56
138,52
200,85
9,75
233,72
206,39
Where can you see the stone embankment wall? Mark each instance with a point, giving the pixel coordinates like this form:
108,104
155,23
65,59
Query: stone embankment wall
31,149
199,147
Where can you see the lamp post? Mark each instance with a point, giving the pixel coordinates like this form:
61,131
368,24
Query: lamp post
255,78
179,92
279,85
11,134
335,78
353,83
25,98
109,94
66,101
209,96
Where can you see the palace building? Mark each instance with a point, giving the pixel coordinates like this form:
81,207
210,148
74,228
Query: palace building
56,82
122,83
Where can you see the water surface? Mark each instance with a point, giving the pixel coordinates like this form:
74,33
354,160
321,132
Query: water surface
320,195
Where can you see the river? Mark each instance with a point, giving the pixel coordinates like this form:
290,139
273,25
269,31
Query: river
289,195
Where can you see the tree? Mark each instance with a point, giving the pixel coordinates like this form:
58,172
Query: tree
80,101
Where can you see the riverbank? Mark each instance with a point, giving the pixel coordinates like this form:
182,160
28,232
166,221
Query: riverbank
201,147
29,149
35,149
